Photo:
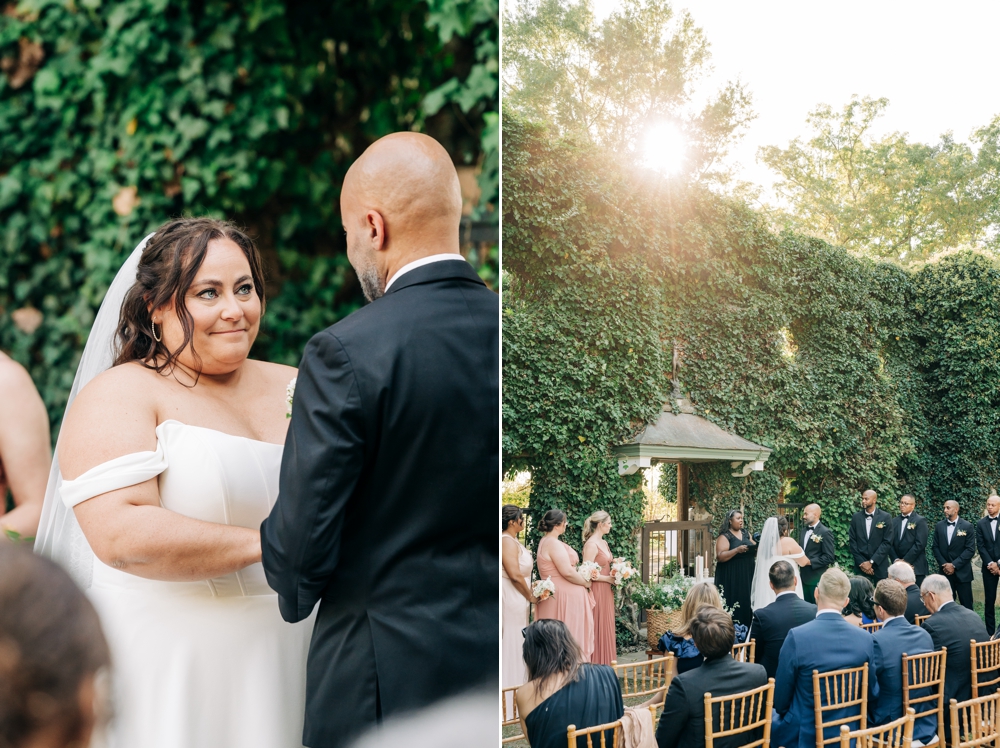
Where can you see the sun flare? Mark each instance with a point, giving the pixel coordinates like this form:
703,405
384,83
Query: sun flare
664,147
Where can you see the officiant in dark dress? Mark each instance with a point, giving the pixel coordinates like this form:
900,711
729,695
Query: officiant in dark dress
817,543
870,539
735,554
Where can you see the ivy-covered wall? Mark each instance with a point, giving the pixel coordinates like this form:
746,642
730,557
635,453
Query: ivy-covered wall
116,116
858,374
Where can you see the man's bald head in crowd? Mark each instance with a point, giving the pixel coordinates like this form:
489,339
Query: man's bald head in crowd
401,201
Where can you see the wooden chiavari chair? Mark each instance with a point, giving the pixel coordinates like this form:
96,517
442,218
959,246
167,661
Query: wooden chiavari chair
985,664
836,690
739,713
895,734
918,620
645,678
508,703
871,628
975,722
926,671
746,651
614,727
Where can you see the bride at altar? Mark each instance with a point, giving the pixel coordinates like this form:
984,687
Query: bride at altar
167,463
775,545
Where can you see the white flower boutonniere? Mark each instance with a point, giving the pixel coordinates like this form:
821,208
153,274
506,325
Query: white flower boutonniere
817,538
880,526
911,526
962,533
290,396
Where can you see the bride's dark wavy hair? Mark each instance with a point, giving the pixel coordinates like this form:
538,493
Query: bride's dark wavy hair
167,268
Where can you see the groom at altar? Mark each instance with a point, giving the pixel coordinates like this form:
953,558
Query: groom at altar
387,501
870,538
817,543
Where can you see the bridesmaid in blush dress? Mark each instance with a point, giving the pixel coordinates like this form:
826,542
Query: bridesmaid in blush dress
516,570
572,603
595,548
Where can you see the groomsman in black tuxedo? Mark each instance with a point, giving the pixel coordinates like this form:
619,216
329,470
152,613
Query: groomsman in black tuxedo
988,541
954,545
909,537
870,538
816,540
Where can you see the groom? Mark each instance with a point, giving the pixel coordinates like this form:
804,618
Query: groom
387,500
817,542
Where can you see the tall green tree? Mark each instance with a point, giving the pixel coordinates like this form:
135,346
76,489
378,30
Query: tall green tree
609,82
885,196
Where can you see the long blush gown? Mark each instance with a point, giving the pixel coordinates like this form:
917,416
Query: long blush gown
572,604
209,663
515,617
605,651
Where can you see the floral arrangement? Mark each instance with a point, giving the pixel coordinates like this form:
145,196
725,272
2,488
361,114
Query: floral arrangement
589,570
622,571
543,588
669,595
290,396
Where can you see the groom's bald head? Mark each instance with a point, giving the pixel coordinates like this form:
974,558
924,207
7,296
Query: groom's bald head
401,201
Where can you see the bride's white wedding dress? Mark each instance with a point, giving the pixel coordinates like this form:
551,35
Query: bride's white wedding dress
761,594
205,664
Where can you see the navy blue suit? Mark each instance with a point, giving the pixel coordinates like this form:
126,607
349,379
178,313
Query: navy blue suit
892,641
825,644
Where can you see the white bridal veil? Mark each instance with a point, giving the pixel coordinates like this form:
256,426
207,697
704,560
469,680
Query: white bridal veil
767,550
59,535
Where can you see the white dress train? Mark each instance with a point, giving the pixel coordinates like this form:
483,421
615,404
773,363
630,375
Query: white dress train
761,594
204,664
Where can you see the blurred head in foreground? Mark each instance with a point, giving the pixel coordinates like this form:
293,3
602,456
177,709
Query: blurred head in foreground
52,651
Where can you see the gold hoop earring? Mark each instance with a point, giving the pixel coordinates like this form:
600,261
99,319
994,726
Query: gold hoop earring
156,337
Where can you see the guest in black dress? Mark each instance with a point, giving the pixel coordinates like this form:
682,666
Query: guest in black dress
562,689
735,553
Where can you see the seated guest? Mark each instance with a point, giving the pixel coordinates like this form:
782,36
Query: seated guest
952,626
52,652
682,724
772,623
574,692
860,606
902,573
895,638
680,642
825,644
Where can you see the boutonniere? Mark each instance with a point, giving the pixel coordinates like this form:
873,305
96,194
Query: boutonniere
911,526
961,533
817,538
880,526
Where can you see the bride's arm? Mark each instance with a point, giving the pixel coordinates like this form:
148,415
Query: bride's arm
790,547
127,528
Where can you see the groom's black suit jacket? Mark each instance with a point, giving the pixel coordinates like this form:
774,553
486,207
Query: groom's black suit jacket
821,552
386,510
875,547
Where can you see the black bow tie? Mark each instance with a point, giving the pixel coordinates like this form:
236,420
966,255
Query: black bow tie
869,516
904,516
994,519
952,524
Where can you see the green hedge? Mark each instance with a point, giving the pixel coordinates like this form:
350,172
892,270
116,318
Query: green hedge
858,374
115,116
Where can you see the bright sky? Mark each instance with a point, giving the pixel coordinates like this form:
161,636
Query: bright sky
936,62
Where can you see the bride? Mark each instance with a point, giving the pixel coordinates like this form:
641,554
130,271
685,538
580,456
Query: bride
775,545
168,461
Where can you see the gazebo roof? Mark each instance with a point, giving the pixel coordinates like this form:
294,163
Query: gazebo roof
686,437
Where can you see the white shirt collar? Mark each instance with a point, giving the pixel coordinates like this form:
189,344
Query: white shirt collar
420,263
827,610
890,618
784,592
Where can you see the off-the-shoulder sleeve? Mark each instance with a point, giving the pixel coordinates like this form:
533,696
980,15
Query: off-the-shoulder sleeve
127,470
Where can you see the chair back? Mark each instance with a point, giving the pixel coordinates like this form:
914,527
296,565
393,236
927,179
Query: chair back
645,678
871,628
508,704
926,671
974,722
918,620
740,713
985,667
745,652
895,734
836,691
615,728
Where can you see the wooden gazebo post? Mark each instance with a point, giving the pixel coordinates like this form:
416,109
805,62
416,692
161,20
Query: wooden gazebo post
683,500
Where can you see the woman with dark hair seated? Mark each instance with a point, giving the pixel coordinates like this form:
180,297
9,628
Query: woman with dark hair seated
52,652
562,689
860,606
